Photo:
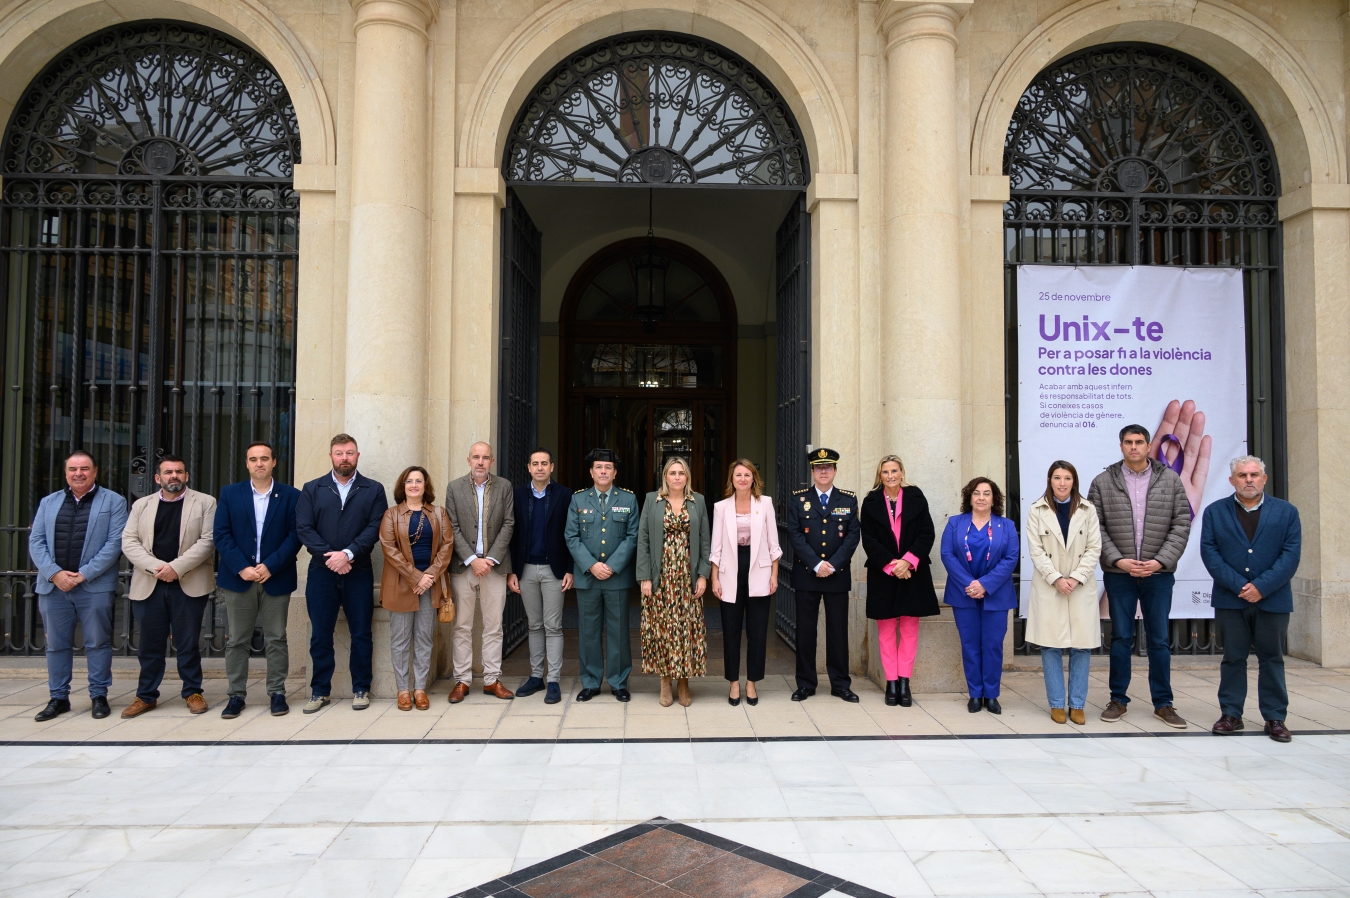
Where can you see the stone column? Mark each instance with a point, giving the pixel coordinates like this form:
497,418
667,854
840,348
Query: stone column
922,365
387,280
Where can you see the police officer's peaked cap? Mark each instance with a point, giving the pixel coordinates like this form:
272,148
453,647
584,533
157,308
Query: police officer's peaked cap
596,455
823,457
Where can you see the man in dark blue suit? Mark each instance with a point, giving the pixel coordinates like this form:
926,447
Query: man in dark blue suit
1251,546
822,523
541,571
257,541
338,518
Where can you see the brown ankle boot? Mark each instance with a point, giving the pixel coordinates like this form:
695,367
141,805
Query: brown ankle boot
685,698
666,698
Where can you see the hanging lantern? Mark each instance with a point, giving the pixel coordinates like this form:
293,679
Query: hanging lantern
650,271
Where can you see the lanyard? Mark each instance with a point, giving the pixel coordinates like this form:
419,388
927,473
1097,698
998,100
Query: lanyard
989,548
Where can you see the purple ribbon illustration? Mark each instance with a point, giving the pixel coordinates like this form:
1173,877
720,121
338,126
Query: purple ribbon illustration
1177,464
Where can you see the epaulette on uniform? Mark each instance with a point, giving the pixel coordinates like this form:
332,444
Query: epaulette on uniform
582,490
848,493
799,492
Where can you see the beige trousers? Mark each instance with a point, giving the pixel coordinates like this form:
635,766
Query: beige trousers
473,594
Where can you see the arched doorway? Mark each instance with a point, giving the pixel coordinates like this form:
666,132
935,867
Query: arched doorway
649,389
149,238
1134,154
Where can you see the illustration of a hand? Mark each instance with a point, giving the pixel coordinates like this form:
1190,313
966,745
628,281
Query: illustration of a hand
1182,433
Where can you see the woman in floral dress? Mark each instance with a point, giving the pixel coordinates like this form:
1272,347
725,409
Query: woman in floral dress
673,568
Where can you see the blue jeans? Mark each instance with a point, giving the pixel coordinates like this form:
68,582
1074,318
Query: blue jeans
1154,595
982,635
94,611
353,593
1052,665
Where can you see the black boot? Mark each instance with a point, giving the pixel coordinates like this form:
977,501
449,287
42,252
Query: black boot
892,692
906,697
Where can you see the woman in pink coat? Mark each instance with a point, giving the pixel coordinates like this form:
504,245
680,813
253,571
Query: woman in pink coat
744,560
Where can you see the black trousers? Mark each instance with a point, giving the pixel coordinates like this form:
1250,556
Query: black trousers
1242,630
169,610
836,638
753,612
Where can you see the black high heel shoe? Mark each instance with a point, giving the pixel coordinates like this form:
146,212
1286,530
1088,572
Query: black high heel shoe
733,701
974,706
750,700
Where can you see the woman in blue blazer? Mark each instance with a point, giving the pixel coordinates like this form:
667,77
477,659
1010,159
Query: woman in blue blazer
980,549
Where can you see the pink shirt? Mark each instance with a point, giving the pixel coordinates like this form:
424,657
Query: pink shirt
894,513
1136,485
742,529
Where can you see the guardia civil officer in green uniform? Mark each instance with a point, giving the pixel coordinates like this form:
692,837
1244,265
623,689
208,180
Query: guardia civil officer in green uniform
601,534
822,522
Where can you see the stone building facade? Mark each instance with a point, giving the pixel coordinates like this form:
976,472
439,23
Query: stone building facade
901,110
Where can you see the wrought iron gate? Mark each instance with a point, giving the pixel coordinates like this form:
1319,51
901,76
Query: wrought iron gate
148,255
793,431
518,388
1132,154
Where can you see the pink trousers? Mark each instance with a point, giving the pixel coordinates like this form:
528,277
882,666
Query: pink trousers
897,660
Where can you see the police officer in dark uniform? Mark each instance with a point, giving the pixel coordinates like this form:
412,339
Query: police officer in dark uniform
822,521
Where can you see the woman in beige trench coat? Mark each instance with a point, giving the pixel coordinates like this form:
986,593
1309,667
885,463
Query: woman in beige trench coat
1065,542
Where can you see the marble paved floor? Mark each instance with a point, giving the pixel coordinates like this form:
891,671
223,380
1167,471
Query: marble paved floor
1191,815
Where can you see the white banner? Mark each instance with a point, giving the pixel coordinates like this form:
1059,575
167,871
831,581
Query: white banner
1100,347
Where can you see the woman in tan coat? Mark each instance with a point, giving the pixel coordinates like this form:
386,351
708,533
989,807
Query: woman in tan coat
1065,543
417,540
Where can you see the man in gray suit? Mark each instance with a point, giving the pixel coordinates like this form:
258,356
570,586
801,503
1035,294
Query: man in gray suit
75,544
482,512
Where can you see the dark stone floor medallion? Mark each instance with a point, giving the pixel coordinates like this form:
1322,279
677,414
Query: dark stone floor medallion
663,859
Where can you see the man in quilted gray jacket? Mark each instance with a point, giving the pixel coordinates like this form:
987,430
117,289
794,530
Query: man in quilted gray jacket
1145,520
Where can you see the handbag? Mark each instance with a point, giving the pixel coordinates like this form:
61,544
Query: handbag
446,613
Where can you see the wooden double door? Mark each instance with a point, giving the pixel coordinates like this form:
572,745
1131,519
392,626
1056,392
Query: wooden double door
648,430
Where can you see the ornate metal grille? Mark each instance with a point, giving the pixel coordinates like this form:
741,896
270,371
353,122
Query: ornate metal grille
1131,154
656,108
148,249
793,282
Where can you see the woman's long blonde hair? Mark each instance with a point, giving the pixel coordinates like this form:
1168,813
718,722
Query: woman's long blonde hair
895,458
663,491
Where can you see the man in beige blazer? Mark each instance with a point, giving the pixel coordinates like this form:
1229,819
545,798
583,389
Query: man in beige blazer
482,512
168,542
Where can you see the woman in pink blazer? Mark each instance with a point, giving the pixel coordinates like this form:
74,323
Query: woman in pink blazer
744,560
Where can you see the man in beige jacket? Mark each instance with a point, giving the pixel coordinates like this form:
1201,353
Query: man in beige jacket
168,542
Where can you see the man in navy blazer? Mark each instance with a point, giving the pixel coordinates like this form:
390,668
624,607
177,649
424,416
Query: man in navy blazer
338,518
75,544
1251,547
541,571
257,540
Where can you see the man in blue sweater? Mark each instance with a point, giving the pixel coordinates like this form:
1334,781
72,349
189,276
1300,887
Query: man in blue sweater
1251,546
338,519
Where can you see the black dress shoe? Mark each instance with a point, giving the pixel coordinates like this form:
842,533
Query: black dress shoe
54,707
734,701
752,700
993,706
803,694
906,697
974,705
100,709
621,694
892,692
586,695
846,694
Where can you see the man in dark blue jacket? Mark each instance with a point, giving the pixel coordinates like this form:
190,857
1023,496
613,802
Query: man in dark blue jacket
257,541
338,519
541,571
1251,546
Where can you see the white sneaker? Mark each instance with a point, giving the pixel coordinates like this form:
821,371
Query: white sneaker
360,701
315,703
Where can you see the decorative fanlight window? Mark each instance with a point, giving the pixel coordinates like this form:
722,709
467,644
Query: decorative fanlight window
656,108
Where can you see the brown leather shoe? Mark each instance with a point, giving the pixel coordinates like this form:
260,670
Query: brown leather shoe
1113,711
405,701
459,693
1227,726
498,690
1276,730
1077,716
1168,715
420,700
1058,715
196,703
137,708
